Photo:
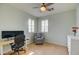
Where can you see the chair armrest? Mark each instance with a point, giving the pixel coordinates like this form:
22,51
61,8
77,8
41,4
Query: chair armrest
11,44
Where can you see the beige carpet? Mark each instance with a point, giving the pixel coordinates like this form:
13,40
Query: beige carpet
47,49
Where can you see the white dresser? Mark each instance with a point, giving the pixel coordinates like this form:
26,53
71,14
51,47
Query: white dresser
73,44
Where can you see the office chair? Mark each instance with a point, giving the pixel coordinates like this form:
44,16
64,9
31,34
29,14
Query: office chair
19,42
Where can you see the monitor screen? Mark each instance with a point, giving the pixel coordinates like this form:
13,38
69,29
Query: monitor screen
7,34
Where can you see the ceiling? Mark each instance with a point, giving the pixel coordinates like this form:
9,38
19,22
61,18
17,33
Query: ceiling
58,7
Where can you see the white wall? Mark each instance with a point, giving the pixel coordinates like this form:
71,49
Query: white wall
77,13
60,26
77,19
13,19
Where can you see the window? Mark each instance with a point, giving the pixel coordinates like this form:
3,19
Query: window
44,25
30,25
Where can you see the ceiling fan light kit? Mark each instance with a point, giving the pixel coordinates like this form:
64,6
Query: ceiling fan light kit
43,9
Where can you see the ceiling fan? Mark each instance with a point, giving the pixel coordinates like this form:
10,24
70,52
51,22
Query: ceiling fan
44,7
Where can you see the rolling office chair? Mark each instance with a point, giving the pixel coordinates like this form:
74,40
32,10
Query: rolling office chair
19,42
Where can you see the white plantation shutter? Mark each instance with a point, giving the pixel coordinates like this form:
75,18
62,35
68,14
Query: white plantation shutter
44,26
30,25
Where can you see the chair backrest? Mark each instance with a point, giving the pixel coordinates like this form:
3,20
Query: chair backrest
38,35
20,40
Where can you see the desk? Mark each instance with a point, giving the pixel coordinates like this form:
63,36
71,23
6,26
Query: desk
4,42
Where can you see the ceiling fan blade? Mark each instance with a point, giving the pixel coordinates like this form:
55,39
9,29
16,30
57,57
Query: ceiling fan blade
50,9
48,4
35,7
